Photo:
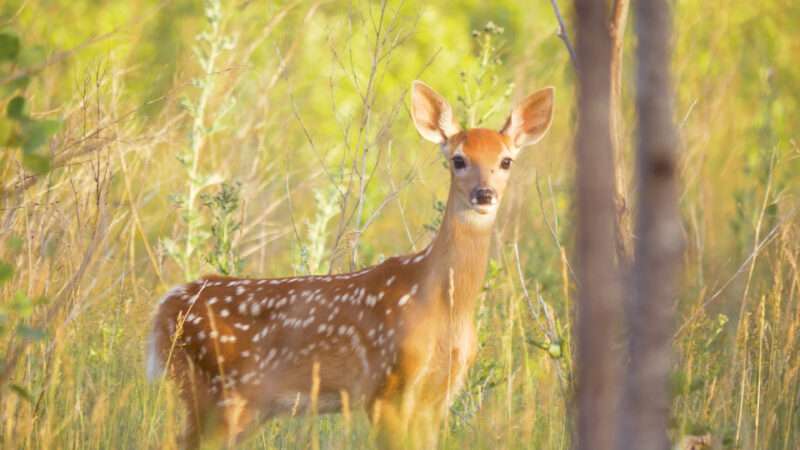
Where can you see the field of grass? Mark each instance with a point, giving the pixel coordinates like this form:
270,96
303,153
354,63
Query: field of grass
162,140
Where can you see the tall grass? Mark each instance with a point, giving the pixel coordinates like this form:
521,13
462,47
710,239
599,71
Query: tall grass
301,108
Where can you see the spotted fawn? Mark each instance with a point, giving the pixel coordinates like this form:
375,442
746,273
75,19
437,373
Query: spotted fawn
395,339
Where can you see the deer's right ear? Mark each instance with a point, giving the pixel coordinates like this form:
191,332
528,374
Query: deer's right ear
431,113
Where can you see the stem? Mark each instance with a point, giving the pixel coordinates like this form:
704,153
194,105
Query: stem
197,140
563,35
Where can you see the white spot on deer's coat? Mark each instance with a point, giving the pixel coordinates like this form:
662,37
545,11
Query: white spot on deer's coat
239,290
224,313
212,300
403,300
390,280
247,377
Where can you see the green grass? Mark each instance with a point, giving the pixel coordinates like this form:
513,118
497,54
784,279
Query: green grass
313,129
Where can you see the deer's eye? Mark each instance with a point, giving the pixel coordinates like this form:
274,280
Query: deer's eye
458,162
505,164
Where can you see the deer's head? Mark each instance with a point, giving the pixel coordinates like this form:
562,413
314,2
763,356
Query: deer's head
480,158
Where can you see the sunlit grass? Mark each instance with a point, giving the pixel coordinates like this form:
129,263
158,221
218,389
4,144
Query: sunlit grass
91,243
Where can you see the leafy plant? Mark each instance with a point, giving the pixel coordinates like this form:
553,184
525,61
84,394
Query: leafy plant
483,88
223,207
212,43
311,255
17,128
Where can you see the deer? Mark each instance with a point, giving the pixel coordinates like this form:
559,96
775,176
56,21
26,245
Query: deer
395,339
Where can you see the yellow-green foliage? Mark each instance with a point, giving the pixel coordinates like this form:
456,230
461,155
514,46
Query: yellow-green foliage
303,114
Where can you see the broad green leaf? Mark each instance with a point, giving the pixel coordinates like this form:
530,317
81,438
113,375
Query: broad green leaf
22,392
30,333
771,210
37,132
38,164
6,271
15,243
16,108
32,56
554,349
9,46
21,305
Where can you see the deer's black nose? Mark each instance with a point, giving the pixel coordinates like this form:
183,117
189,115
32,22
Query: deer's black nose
484,196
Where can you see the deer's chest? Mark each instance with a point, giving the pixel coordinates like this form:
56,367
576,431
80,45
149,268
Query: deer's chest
437,362
454,355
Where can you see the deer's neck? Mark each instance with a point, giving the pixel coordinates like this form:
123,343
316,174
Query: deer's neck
459,255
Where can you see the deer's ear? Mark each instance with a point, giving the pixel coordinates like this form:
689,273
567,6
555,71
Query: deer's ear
431,113
530,120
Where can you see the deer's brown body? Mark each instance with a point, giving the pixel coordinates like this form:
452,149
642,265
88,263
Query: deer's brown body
396,338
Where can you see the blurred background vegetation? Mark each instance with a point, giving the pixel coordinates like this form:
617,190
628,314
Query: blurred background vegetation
143,143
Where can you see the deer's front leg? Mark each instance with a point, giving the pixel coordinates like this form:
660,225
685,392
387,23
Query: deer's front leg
405,411
396,429
391,424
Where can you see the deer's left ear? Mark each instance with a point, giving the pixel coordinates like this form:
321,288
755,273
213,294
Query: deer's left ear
530,120
431,113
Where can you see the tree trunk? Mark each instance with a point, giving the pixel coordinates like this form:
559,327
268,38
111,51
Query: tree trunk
659,242
598,275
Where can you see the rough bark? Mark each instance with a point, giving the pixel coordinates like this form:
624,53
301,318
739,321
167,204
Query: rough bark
659,242
598,276
616,28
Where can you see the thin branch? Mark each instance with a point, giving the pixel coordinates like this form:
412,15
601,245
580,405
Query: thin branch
773,233
553,231
563,35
